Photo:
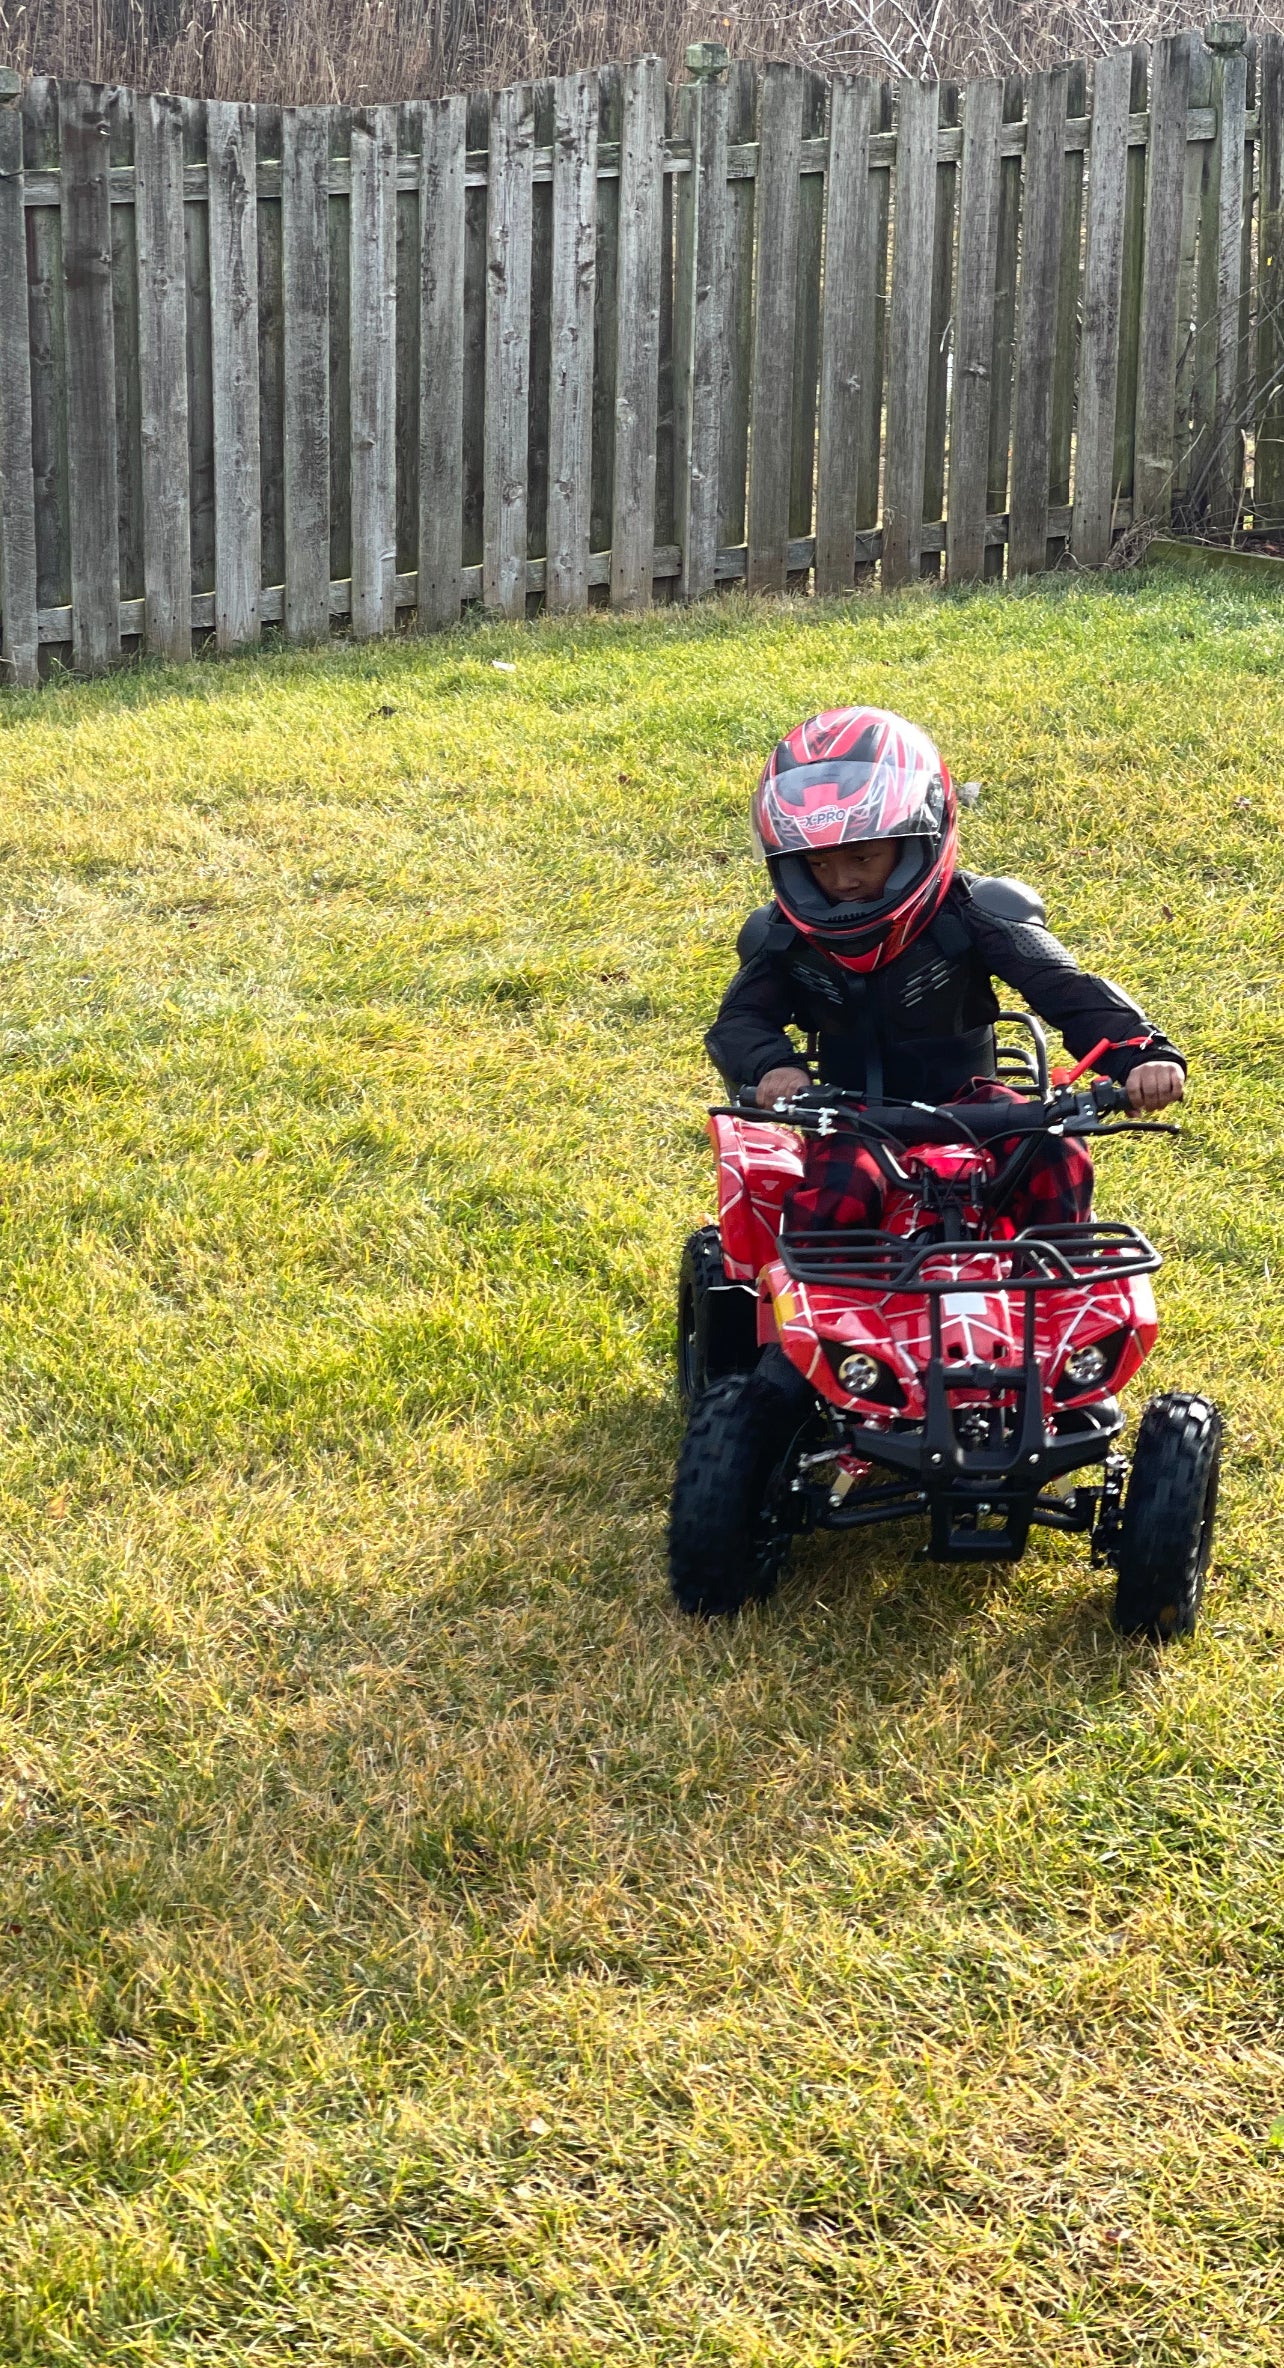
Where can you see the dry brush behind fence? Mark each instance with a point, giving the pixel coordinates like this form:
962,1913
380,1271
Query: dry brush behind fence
598,339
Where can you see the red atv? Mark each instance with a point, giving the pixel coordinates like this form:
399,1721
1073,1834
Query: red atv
942,1367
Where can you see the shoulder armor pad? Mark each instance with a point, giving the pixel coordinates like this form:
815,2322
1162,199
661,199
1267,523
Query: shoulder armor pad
755,932
1008,900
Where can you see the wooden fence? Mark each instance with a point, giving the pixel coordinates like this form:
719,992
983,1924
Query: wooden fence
597,339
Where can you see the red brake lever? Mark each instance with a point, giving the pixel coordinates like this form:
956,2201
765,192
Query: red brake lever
1072,1076
1107,1044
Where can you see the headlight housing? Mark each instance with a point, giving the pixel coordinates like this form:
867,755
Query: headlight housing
862,1374
1090,1367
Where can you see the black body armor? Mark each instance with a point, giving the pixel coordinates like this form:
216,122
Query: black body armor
919,1028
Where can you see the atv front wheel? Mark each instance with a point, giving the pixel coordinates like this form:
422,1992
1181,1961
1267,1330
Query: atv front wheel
1166,1534
728,1529
717,1319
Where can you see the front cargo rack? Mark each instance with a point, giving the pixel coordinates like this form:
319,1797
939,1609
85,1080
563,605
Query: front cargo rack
1056,1258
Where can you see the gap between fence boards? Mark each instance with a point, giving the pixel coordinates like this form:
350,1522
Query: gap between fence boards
43,185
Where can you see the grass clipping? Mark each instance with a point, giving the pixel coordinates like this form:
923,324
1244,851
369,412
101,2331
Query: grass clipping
417,1944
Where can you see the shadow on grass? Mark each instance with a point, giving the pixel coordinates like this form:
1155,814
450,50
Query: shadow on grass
596,1493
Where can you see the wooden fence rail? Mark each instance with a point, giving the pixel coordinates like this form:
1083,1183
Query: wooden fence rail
594,339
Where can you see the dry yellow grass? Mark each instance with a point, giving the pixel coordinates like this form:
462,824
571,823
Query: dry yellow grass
367,50
417,1945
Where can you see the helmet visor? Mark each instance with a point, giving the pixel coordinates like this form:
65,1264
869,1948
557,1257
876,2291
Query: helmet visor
802,896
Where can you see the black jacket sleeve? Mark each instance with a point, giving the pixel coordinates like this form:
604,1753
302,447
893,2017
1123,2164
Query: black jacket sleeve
748,1037
1083,1007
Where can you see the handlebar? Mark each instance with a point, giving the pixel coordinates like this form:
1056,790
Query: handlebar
826,1110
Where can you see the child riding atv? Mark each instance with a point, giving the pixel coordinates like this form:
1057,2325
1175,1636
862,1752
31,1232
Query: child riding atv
882,952
906,1309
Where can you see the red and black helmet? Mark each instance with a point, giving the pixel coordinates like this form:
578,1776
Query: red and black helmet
857,773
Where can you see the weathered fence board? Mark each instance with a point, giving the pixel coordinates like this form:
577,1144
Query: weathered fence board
1103,288
771,402
1268,462
849,265
19,631
1065,355
699,331
1003,350
508,334
125,358
48,355
807,315
941,329
1130,290
442,318
1197,313
576,341
974,331
200,389
873,340
271,308
407,324
162,362
637,335
305,140
372,349
1165,192
1037,323
733,449
570,409
91,375
1230,82
909,329
541,346
234,367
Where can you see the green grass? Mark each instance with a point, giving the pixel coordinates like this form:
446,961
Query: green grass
416,1944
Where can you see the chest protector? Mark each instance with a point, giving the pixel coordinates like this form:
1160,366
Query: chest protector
918,1029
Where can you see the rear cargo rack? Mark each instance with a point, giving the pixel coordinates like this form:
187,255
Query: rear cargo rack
1057,1258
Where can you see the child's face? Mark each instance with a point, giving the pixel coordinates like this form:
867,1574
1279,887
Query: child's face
855,874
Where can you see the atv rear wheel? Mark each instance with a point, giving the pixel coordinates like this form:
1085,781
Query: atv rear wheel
1166,1534
717,1319
729,1532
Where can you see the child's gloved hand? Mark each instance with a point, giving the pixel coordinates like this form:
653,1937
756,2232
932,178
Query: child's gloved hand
1154,1084
780,1085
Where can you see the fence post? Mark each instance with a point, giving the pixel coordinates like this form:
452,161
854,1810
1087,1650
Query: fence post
18,628
699,351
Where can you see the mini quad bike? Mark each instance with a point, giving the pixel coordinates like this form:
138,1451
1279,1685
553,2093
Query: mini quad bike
942,1367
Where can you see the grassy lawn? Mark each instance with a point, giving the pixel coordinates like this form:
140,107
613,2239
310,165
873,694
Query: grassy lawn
417,1945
